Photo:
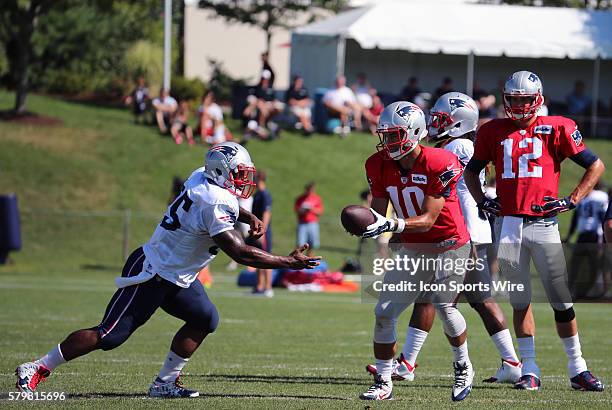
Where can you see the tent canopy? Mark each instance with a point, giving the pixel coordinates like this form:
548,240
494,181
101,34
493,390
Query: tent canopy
433,27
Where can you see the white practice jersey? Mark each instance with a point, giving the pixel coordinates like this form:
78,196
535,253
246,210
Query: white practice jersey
591,211
479,229
182,243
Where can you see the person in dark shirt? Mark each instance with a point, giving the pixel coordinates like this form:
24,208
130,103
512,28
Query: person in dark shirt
262,208
445,87
267,105
300,104
266,69
411,90
140,99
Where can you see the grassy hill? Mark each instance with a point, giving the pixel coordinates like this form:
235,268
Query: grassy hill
74,182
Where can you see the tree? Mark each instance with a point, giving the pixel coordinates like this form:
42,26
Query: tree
267,14
587,4
19,21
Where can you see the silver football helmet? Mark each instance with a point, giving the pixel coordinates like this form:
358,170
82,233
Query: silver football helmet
400,128
453,115
523,95
229,165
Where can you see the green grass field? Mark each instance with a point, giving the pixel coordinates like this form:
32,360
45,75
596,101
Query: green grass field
294,351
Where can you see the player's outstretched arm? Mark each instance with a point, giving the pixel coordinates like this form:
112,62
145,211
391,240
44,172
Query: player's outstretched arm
233,245
257,226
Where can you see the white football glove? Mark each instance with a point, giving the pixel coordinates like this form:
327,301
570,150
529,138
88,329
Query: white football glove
382,225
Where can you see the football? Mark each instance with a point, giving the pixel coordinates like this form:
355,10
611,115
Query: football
355,219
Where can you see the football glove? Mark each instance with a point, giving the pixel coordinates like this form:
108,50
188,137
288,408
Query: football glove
490,207
382,225
553,206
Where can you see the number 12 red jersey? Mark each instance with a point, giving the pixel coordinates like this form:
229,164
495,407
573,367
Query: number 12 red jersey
527,161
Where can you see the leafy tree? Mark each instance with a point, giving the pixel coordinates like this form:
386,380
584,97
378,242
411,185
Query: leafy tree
588,4
18,24
267,14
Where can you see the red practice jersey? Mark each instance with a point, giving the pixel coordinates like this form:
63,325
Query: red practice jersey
435,172
527,162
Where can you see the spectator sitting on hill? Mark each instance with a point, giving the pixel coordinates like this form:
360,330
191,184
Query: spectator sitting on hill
139,98
411,90
165,108
341,103
211,128
300,104
372,114
250,116
180,125
362,91
445,87
309,208
486,104
267,105
577,102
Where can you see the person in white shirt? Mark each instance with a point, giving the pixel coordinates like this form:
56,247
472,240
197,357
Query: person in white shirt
341,103
165,107
211,127
163,273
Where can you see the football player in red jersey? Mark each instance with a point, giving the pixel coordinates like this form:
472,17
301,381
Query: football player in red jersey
452,125
527,151
420,183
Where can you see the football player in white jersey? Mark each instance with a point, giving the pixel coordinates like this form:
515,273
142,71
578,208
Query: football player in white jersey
163,273
452,125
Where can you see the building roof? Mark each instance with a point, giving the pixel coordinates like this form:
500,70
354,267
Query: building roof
452,27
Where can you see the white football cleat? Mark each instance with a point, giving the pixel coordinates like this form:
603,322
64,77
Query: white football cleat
508,372
402,370
464,377
171,390
380,390
29,375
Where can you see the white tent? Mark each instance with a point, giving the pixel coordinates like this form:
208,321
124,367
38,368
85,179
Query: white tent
394,40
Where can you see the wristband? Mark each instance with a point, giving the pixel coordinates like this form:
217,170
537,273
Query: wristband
400,225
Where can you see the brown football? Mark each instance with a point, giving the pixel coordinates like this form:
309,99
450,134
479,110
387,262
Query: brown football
356,218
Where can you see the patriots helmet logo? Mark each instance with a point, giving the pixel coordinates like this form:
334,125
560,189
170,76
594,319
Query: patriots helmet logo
229,151
448,175
457,103
534,78
405,111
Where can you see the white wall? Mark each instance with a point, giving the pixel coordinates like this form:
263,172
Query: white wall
237,46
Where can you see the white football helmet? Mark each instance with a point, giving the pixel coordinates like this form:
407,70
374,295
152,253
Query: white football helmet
453,115
229,165
523,95
400,128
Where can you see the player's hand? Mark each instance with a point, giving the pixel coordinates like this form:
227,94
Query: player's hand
257,229
490,206
301,261
382,225
553,206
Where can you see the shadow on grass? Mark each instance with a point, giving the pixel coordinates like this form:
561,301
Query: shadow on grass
249,378
140,395
100,267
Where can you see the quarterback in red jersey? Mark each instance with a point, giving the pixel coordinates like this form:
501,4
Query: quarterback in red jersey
420,183
527,151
